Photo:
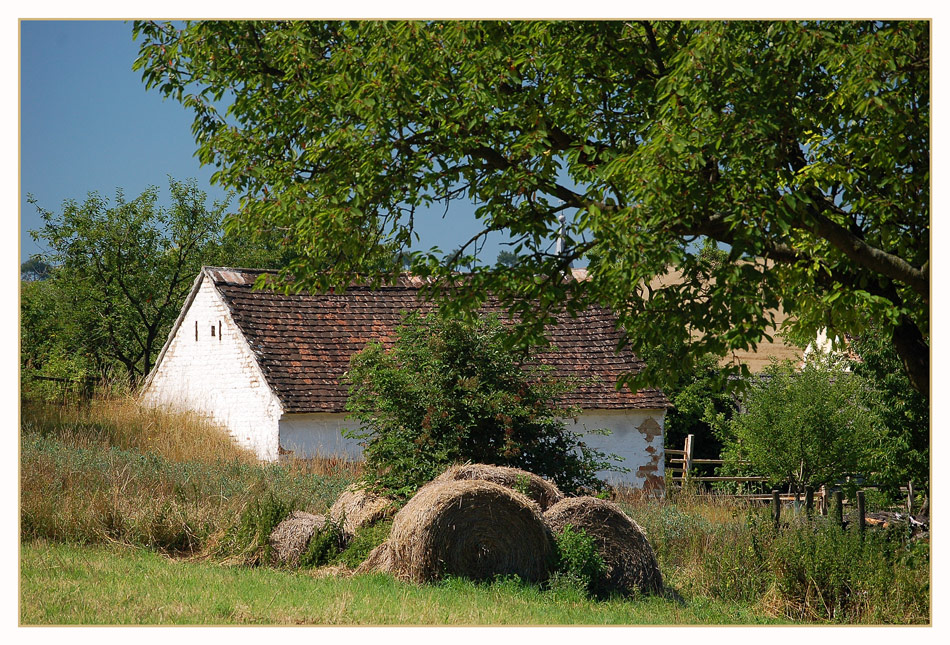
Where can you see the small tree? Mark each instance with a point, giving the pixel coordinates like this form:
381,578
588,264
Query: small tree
808,427
449,391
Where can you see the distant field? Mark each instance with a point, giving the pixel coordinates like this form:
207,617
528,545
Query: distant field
66,585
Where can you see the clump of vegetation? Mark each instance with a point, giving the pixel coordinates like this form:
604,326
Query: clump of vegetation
811,571
449,392
366,539
578,562
324,546
802,427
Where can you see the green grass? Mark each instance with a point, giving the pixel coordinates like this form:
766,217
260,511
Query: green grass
103,585
106,500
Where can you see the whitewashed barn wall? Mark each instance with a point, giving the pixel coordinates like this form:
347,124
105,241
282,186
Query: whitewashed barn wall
217,376
635,435
310,435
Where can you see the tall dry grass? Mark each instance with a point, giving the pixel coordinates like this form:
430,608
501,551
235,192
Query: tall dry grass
112,471
123,423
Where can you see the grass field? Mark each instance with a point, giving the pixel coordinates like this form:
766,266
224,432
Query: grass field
139,517
70,584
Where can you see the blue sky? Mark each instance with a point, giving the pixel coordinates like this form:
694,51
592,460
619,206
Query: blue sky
88,124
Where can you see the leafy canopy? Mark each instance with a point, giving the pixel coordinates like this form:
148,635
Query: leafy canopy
802,147
450,392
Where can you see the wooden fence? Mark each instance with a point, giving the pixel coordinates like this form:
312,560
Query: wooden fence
680,466
83,387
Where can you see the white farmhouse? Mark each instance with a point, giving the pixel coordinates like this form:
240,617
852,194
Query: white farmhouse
267,366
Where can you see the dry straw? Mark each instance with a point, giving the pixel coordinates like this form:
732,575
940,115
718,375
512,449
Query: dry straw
290,538
540,490
357,507
472,529
631,563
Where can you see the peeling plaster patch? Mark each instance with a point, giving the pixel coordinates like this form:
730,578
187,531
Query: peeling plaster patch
654,483
650,429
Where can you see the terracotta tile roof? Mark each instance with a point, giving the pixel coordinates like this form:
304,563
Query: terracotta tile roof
303,342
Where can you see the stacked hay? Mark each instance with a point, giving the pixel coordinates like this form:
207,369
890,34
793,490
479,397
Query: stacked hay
471,528
357,507
290,538
540,490
631,563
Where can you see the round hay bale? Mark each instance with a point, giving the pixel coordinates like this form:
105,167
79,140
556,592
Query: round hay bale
631,563
537,488
379,559
290,538
472,529
357,507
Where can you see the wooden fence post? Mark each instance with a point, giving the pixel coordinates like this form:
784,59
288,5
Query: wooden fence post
776,507
809,501
838,510
910,498
861,512
688,456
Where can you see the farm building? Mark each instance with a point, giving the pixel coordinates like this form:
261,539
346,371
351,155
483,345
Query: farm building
267,366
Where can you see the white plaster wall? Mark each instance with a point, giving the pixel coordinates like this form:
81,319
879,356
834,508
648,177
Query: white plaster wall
217,376
312,435
635,435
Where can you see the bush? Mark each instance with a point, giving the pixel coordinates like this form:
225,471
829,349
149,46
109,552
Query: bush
578,562
366,539
803,427
449,392
324,546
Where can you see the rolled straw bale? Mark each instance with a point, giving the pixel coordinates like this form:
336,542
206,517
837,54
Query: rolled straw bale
379,559
290,538
472,529
537,488
357,507
631,563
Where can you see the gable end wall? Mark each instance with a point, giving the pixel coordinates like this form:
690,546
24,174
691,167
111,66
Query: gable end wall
216,376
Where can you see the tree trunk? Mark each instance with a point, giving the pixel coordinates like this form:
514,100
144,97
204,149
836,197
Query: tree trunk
914,353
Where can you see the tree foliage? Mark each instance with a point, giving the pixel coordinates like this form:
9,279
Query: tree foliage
450,392
803,427
803,147
119,274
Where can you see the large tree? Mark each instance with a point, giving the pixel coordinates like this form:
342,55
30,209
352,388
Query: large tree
801,147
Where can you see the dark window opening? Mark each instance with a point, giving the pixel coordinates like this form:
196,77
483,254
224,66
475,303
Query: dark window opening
212,331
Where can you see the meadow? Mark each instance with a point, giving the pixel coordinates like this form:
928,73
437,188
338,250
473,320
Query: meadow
132,516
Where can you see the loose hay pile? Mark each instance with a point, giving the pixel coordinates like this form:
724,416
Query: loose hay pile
357,507
540,490
290,538
631,563
472,528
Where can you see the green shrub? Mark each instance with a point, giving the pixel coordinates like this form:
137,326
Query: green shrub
578,562
248,539
366,539
451,392
324,546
